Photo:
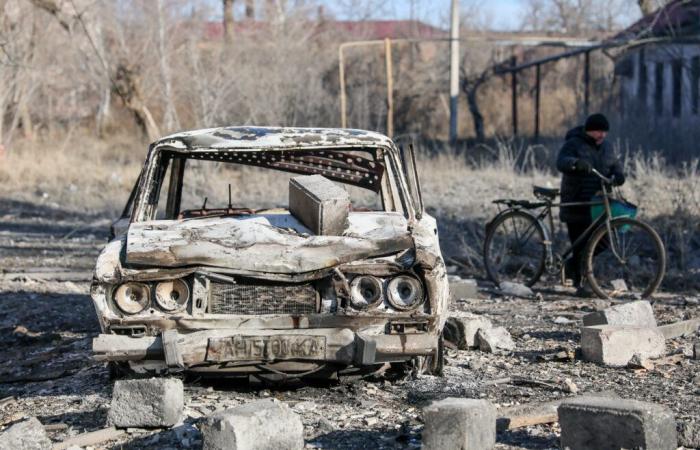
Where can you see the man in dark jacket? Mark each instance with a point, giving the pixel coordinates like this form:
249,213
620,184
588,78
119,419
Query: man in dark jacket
585,149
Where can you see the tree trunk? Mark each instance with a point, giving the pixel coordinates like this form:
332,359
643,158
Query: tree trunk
128,87
477,117
228,21
250,9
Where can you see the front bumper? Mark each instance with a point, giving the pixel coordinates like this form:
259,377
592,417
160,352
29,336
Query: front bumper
223,348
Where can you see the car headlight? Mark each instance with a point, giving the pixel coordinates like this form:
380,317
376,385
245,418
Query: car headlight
365,292
132,298
405,292
172,295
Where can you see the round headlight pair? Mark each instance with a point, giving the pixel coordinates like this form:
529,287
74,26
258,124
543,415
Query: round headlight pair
132,298
403,292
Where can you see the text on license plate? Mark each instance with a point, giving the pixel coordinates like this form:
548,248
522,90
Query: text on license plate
267,348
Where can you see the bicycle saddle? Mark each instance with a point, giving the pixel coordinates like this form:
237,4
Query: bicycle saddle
544,192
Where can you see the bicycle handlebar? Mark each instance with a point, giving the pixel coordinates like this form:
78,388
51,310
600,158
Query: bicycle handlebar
602,177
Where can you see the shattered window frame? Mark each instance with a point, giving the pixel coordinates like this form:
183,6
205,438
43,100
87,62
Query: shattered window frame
390,187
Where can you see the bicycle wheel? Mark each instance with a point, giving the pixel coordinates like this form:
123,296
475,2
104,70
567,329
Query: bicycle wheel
514,249
627,263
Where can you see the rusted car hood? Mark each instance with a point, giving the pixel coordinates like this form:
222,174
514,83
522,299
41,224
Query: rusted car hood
275,243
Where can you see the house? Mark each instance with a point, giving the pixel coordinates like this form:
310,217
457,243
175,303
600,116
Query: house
659,72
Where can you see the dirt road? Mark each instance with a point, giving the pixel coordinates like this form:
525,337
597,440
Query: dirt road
47,323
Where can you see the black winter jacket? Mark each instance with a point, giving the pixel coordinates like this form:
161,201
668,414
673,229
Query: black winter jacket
580,187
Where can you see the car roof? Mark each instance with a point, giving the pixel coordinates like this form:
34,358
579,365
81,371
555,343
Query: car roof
272,138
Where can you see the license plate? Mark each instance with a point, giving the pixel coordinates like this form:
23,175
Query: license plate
266,348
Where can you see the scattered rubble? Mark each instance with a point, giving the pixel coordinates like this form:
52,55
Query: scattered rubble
461,328
461,288
515,290
613,345
26,435
638,313
689,433
639,362
696,350
494,340
459,423
154,402
678,329
603,423
265,424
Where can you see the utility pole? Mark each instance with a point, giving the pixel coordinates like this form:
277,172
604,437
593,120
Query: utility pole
454,70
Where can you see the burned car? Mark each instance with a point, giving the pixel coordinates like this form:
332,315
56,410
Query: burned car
346,278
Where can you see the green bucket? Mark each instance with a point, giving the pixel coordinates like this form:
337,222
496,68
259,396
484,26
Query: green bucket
618,208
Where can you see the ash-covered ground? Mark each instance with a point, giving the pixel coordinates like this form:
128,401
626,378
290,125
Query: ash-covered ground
47,324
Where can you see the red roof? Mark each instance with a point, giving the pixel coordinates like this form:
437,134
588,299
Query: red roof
367,29
677,18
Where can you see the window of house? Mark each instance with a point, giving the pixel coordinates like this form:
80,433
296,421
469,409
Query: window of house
677,70
694,80
659,88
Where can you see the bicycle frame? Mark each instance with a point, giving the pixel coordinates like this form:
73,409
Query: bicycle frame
546,214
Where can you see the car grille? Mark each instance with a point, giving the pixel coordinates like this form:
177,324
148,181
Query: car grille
225,298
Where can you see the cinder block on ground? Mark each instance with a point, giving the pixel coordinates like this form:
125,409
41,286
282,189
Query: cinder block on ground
515,289
637,313
494,340
26,435
696,350
463,287
154,402
601,423
689,433
460,329
260,425
459,423
612,345
320,204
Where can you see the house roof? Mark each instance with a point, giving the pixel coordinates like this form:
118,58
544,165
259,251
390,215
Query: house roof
271,138
678,18
366,29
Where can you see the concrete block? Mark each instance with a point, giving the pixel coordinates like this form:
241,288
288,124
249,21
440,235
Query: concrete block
260,425
689,433
460,329
682,328
154,402
637,313
459,423
494,340
601,423
696,350
26,435
320,204
515,289
462,287
615,345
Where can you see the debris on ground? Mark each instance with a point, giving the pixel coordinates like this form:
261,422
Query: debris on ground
462,423
148,403
494,340
26,435
461,288
515,290
638,313
263,424
599,422
614,345
461,328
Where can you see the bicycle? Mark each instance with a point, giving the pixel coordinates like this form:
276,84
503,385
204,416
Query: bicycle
623,257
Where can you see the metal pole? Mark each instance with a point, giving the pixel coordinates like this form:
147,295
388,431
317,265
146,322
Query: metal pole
389,89
514,95
537,103
454,69
586,81
343,101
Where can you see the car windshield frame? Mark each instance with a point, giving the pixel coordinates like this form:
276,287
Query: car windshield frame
393,187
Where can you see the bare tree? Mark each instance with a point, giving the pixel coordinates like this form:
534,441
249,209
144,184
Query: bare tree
578,17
